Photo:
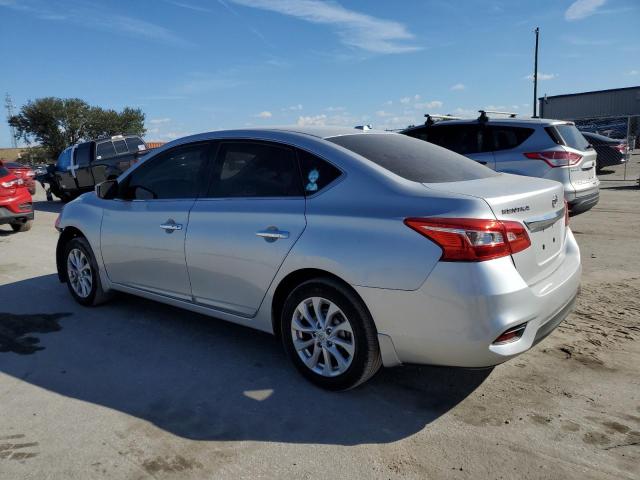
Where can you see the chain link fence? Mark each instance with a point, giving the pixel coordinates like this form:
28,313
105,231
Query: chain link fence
620,128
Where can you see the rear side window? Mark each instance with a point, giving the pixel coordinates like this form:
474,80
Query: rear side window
252,169
120,146
500,137
105,150
413,159
462,139
135,144
316,173
571,136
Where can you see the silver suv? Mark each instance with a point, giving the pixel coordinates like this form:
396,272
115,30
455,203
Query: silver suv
535,147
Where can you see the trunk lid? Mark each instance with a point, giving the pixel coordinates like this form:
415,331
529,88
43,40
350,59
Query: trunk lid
537,203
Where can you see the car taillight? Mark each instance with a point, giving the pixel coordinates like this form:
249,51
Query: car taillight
472,240
623,148
13,183
511,335
556,158
30,173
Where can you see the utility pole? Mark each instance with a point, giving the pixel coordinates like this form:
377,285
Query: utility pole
535,77
8,103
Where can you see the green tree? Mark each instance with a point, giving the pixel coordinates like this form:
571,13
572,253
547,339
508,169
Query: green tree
56,123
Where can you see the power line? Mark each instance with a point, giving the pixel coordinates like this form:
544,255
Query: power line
8,103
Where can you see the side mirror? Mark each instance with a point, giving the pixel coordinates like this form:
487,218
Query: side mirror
107,190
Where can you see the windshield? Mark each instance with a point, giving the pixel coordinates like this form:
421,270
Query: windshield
413,159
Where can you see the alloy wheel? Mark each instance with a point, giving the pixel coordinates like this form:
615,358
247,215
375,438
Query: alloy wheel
79,273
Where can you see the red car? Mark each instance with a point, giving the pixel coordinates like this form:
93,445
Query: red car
25,172
16,206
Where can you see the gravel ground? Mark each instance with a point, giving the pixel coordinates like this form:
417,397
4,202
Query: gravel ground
140,390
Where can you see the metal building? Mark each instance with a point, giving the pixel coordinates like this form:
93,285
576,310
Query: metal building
616,102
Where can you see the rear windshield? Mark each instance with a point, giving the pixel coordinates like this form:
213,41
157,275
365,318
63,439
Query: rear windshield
413,159
572,137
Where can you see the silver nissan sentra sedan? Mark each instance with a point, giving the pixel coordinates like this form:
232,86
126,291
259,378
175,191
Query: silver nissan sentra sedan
357,248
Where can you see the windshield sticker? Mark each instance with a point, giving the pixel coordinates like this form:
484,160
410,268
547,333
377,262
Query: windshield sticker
312,186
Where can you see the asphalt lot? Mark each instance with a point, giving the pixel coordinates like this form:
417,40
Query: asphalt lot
135,389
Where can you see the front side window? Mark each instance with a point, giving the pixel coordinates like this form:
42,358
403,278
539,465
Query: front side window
105,150
174,174
255,169
83,155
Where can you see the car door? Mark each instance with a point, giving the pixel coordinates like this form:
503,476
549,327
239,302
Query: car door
104,151
65,170
143,230
243,228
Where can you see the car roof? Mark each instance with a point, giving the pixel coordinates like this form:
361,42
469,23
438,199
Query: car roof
496,121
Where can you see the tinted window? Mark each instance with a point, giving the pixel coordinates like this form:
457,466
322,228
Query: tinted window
316,173
120,146
105,150
413,159
64,160
3,172
420,133
173,174
83,154
505,137
462,139
135,144
247,169
572,136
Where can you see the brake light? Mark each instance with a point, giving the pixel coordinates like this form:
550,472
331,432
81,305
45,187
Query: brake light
623,148
13,183
556,158
472,240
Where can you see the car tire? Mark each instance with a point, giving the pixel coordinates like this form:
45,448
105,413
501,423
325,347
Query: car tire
22,226
337,350
81,273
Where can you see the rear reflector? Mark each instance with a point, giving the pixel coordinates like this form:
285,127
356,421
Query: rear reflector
472,240
25,207
566,214
556,158
511,335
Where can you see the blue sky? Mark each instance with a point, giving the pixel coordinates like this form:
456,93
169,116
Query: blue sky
199,65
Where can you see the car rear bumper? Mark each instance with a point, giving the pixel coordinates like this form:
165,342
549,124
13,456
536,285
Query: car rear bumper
457,314
7,216
583,202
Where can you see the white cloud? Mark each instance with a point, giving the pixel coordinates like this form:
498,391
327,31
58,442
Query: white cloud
335,109
264,114
292,108
458,86
582,9
405,100
158,121
542,76
382,113
101,19
428,105
389,102
354,28
312,120
634,72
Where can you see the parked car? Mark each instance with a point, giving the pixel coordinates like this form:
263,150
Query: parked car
535,147
81,167
16,206
358,248
610,151
25,172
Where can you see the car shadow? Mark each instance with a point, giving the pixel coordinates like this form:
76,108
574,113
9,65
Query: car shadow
204,379
48,206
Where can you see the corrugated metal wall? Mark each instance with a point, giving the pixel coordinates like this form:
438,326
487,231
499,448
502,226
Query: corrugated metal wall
608,103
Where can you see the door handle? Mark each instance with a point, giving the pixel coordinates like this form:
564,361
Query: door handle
171,226
272,234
